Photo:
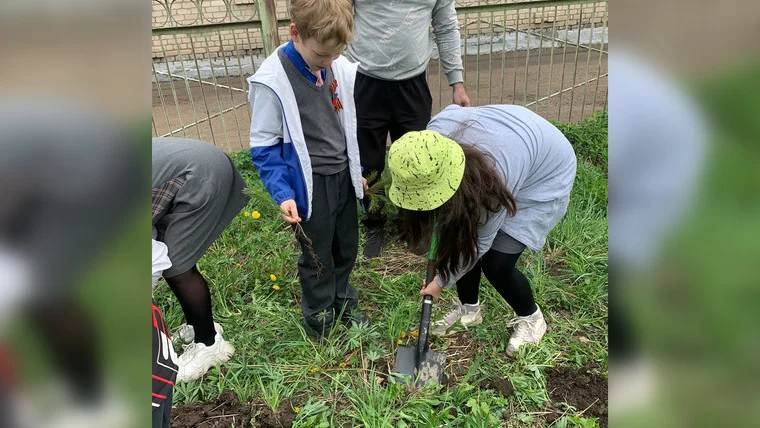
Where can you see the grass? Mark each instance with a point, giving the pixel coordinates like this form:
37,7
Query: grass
343,382
589,138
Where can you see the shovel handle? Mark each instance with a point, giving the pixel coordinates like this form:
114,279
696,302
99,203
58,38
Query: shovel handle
422,343
427,302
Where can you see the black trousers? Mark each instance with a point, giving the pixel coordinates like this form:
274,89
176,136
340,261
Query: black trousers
501,272
383,107
334,234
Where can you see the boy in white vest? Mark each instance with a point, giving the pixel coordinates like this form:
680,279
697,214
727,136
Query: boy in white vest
303,143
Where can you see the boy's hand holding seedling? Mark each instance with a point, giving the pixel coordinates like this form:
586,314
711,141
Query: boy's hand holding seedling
290,212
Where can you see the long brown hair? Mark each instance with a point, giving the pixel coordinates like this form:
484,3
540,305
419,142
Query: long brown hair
482,190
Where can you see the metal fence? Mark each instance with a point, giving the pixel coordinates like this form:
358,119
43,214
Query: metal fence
550,56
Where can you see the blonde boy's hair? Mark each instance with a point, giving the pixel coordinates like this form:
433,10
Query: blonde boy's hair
324,20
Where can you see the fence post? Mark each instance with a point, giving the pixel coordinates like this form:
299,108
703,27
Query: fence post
269,32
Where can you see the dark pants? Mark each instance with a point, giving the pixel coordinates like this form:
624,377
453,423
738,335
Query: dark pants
501,272
384,107
334,236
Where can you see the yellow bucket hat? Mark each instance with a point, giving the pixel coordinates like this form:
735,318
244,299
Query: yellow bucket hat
426,170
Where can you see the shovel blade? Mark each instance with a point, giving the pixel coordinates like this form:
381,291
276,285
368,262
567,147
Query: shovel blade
406,371
432,365
405,365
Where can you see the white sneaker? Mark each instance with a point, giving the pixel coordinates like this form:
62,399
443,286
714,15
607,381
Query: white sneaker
467,315
186,333
528,329
199,358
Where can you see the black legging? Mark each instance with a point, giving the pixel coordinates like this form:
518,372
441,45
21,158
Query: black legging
194,296
500,270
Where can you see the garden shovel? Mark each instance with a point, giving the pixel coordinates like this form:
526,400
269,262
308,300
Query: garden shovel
418,364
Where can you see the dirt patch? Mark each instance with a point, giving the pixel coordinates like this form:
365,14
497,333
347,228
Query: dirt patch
397,260
382,367
283,418
580,388
462,348
459,355
554,263
226,412
558,269
503,386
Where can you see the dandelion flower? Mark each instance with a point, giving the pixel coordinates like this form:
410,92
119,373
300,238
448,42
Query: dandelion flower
314,370
246,214
276,287
272,277
238,265
255,215
415,334
403,334
203,272
235,155
297,409
398,342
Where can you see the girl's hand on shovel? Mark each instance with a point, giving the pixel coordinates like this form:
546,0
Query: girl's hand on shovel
432,289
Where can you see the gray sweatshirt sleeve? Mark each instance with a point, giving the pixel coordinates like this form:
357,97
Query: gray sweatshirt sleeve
486,235
446,31
266,121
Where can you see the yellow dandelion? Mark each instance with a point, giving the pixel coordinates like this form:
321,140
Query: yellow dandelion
415,334
235,155
272,277
398,342
238,265
403,334
314,370
297,409
276,287
246,214
255,215
203,272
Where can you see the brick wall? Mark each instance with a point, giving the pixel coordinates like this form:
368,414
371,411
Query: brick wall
215,44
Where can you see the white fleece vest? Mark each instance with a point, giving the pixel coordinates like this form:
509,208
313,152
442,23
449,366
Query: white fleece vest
272,75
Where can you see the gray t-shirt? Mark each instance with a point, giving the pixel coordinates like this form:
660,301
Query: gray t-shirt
392,39
535,159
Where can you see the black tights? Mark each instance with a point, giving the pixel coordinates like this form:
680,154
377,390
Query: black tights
500,270
194,296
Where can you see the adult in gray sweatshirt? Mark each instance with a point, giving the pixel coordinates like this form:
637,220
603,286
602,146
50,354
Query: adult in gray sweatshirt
393,43
494,180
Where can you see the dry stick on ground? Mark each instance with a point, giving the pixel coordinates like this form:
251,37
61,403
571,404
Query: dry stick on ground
589,406
223,416
563,414
217,407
